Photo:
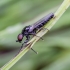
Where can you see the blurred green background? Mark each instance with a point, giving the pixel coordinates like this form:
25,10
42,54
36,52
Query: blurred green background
54,51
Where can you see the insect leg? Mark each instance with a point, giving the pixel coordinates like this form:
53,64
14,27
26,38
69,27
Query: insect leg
34,50
27,39
40,37
37,36
47,29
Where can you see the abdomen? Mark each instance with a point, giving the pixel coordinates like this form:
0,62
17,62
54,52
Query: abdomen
44,20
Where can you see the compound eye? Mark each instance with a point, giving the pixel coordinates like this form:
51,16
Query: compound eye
20,37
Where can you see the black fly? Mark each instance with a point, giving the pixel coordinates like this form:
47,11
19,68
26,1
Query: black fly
32,29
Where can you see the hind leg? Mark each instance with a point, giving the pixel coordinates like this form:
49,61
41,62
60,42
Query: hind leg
34,34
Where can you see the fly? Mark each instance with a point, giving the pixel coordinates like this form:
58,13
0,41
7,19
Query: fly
32,29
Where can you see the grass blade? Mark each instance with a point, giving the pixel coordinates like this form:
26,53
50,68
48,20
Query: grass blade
50,24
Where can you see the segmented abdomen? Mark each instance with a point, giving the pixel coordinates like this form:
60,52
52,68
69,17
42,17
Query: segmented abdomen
44,21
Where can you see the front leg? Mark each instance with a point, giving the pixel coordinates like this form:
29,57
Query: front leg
27,39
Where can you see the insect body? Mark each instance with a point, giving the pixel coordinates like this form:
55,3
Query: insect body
32,29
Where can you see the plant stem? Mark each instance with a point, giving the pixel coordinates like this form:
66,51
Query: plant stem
48,26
